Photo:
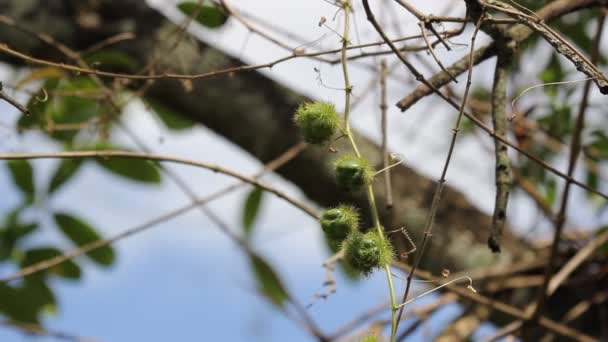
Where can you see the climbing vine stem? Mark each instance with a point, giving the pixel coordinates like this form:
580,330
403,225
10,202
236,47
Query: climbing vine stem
346,6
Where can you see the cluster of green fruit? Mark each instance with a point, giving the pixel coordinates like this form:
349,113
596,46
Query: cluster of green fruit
319,122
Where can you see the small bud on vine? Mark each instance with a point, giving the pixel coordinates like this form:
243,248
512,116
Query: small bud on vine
318,121
364,252
352,172
339,222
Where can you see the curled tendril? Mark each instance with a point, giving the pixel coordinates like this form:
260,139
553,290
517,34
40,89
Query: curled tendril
397,159
45,96
470,287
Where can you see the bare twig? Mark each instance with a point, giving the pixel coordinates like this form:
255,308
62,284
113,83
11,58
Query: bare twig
384,128
474,119
560,45
329,283
576,261
504,331
432,51
244,68
12,102
46,264
518,33
166,158
439,189
575,149
35,329
512,311
577,310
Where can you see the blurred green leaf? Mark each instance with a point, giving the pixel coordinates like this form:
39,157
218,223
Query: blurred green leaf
27,301
591,177
251,209
77,105
557,123
208,14
139,170
170,118
10,236
553,72
550,190
37,106
81,233
12,230
67,269
598,148
111,60
37,293
15,306
23,177
66,169
269,283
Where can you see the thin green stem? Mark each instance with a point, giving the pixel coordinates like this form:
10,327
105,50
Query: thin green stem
370,190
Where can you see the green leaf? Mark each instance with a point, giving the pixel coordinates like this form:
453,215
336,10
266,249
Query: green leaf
27,301
37,293
75,109
66,169
550,190
269,283
139,170
251,209
208,14
558,122
23,177
72,109
591,177
67,269
10,236
16,231
553,72
12,306
81,233
170,118
598,149
111,60
38,107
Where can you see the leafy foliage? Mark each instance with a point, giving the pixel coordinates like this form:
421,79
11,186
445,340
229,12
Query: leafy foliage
23,177
82,233
269,283
208,14
251,209
170,118
139,170
64,172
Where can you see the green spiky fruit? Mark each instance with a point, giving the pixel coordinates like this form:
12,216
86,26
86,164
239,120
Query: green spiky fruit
338,222
364,252
319,121
352,172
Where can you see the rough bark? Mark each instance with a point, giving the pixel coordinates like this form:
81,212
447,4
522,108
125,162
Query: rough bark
255,113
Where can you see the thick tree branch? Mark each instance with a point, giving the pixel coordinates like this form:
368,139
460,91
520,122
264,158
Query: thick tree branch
518,33
255,113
